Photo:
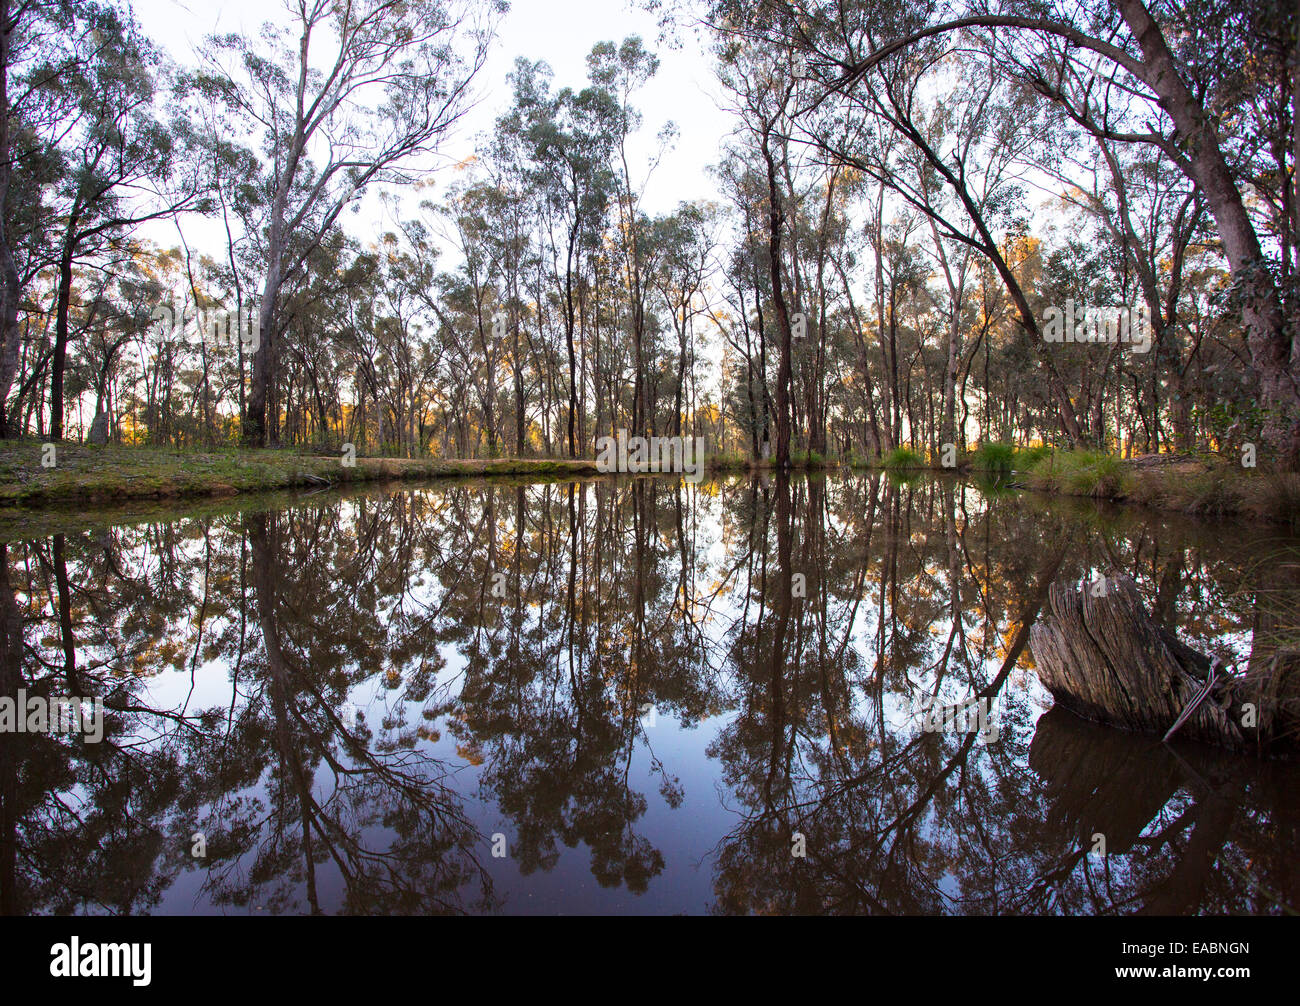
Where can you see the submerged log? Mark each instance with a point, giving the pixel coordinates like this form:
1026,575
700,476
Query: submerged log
1104,658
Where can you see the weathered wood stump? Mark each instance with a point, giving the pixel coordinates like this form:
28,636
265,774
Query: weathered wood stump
1104,658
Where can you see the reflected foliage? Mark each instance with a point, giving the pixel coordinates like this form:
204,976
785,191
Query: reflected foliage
352,696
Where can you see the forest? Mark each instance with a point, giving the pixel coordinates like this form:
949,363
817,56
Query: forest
907,200
784,457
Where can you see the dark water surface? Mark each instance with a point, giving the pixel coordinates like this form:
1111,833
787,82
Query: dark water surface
650,696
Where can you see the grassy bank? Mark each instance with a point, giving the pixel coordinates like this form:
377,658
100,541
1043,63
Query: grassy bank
799,460
1205,485
109,475
998,459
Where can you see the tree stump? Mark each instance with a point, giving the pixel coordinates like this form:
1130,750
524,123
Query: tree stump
1104,658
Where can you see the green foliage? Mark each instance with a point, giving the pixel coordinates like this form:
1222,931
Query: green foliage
901,458
1027,457
808,459
855,460
993,457
1003,459
1083,473
726,460
111,474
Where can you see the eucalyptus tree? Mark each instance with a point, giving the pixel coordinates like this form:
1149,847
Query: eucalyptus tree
1179,78
764,85
1151,214
619,71
124,313
122,163
9,339
744,275
35,49
959,170
414,350
510,236
478,293
687,238
338,96
568,142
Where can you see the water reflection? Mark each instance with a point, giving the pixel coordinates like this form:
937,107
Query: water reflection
650,696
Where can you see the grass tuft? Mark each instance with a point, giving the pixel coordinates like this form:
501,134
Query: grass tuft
903,458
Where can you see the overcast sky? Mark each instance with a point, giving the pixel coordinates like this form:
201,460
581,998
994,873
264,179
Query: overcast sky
685,91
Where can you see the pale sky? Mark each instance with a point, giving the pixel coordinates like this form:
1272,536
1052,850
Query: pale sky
684,91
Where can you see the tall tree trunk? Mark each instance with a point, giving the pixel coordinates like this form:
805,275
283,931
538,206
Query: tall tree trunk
569,322
1267,338
9,338
57,363
776,220
255,428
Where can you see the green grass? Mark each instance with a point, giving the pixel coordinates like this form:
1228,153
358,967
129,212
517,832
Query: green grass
727,461
901,458
1207,485
1213,487
1028,457
1003,459
809,459
855,460
108,475
735,461
1082,473
996,458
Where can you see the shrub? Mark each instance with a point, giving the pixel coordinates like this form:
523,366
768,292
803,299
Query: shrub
998,458
1027,457
1083,473
903,457
855,460
725,460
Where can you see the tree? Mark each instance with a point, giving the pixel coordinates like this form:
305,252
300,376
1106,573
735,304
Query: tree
119,160
568,140
392,83
1154,83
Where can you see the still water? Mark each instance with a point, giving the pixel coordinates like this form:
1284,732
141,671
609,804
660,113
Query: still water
621,696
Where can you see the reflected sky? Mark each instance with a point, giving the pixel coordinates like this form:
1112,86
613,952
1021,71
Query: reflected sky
652,696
